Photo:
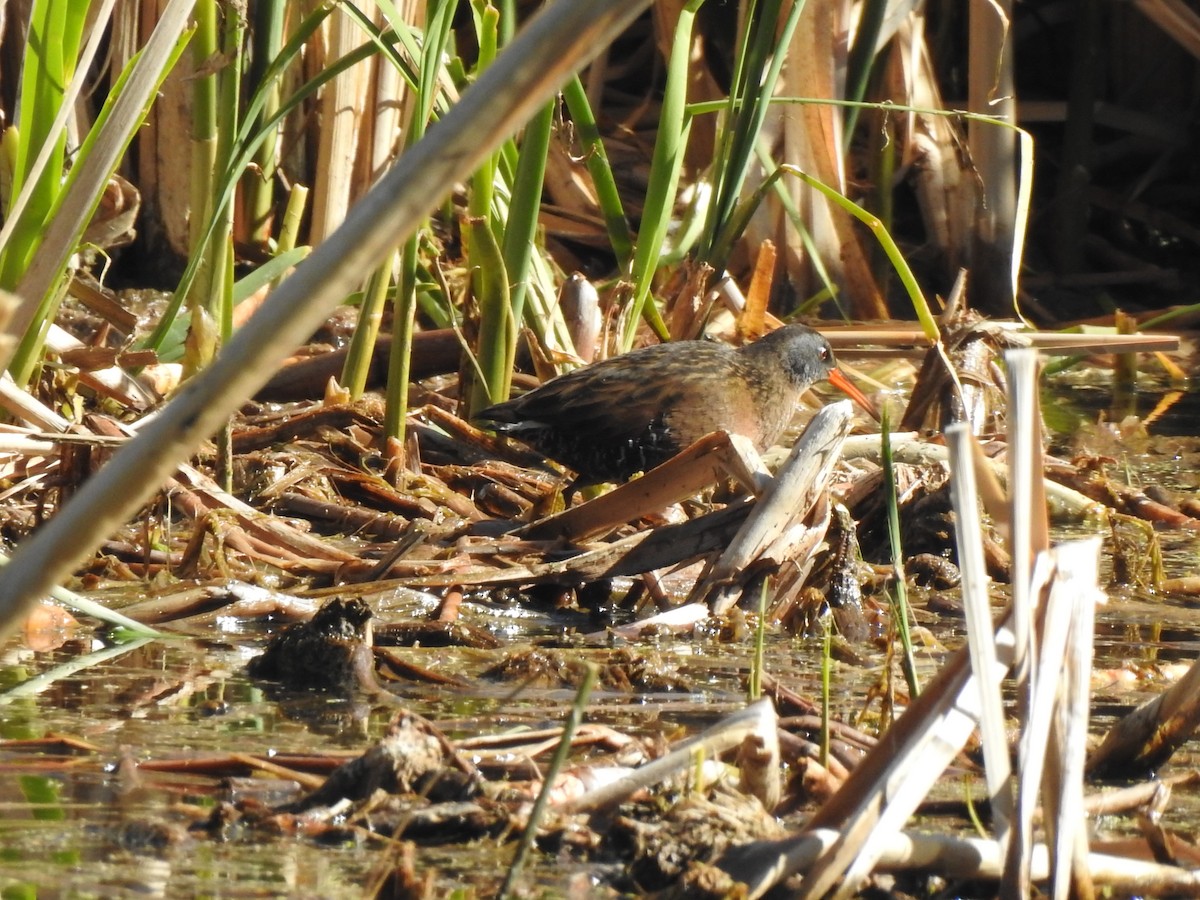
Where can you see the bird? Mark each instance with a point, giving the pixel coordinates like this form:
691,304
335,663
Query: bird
612,419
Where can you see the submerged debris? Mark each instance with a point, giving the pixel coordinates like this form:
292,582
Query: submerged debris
332,651
413,758
626,670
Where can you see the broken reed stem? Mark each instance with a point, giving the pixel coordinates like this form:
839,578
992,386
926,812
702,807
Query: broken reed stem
1029,537
756,719
1077,581
981,634
1024,457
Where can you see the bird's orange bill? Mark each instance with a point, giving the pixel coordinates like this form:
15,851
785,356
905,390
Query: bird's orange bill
839,380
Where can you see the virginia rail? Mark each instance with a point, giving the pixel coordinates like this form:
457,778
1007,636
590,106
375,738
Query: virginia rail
633,412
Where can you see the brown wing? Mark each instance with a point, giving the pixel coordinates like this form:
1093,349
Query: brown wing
623,415
626,392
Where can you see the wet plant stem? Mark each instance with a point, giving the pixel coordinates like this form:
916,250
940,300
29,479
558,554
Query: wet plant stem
570,726
826,686
760,641
900,596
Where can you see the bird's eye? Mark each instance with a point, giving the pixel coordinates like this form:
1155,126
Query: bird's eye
826,353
